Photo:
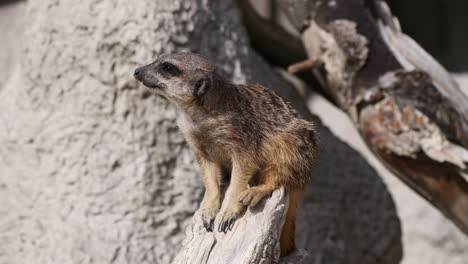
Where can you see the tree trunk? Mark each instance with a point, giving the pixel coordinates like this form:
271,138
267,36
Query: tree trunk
253,239
93,168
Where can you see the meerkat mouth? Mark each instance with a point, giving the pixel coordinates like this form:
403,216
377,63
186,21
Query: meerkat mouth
151,85
148,81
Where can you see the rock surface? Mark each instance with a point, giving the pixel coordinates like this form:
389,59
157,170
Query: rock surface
11,28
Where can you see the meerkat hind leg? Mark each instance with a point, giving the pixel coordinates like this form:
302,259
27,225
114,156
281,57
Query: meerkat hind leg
255,194
267,182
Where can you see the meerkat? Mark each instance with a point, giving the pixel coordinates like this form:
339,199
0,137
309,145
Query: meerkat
246,130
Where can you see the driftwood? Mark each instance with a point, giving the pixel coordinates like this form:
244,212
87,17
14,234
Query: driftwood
253,239
408,109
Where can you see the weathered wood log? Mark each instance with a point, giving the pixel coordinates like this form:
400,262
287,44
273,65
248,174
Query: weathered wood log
408,109
253,239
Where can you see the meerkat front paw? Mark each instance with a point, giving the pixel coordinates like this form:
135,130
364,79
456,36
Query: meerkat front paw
209,212
253,195
229,215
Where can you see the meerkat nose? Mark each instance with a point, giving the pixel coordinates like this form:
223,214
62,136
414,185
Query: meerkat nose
137,72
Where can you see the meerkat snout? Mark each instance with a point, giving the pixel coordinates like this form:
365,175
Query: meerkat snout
148,76
175,79
137,72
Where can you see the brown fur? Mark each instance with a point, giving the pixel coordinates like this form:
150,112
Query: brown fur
245,129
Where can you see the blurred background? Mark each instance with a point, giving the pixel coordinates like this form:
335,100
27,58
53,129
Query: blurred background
440,26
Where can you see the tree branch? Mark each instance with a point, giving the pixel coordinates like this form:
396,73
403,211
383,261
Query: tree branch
253,239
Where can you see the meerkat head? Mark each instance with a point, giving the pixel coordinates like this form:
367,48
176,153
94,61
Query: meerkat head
180,77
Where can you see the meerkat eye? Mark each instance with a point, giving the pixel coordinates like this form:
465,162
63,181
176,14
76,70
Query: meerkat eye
169,68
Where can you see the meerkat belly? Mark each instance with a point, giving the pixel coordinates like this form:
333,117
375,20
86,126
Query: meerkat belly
206,140
185,125
215,152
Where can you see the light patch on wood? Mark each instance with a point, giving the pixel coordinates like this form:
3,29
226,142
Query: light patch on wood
342,50
407,131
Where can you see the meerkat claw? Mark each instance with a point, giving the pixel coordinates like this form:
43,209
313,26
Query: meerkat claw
208,218
208,225
231,224
228,224
220,227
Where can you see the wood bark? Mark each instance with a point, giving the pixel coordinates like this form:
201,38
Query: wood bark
93,169
409,110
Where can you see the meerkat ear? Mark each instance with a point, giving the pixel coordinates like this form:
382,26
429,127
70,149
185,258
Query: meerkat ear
200,87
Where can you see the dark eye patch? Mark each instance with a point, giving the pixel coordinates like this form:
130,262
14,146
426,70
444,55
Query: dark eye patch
167,68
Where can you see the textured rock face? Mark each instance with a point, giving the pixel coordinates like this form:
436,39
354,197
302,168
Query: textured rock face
97,171
11,26
94,170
